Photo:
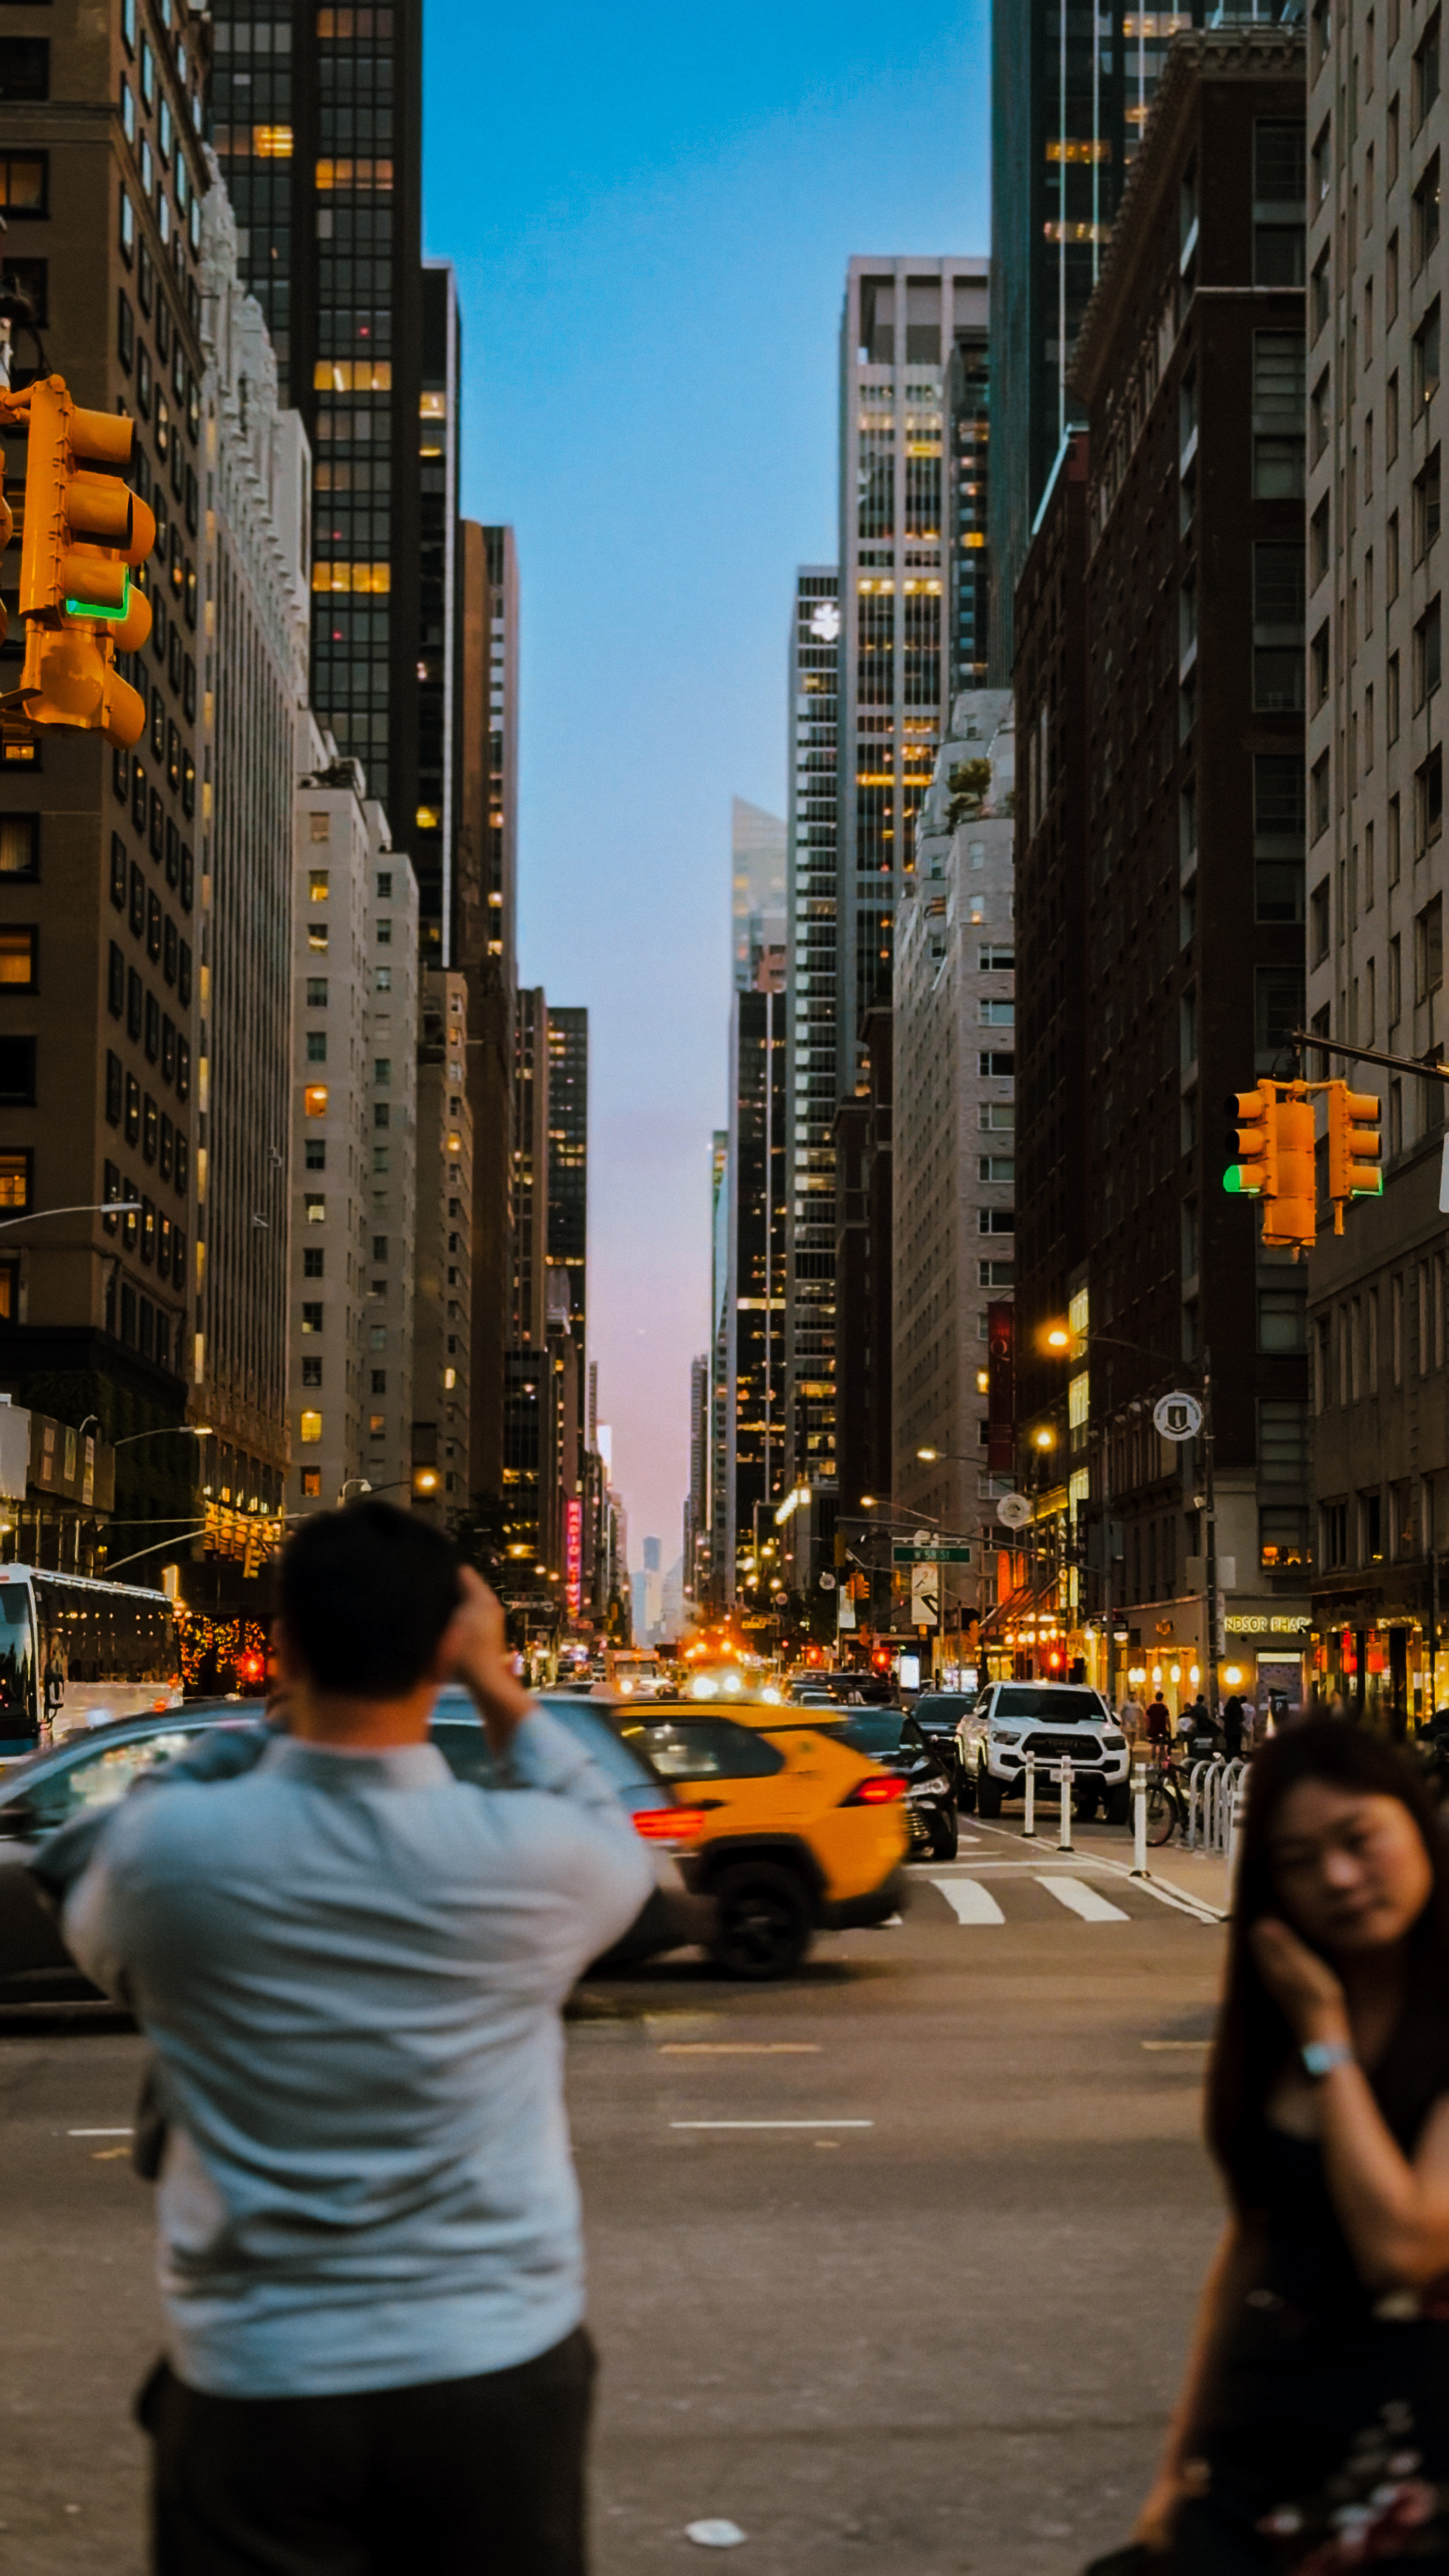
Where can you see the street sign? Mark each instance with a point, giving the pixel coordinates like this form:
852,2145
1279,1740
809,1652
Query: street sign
922,1538
1177,1416
1014,1510
906,1552
827,1583
925,1597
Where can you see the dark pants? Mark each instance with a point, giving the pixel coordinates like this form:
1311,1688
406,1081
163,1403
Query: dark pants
460,2477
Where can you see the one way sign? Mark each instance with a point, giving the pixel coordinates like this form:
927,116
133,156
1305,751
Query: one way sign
925,1597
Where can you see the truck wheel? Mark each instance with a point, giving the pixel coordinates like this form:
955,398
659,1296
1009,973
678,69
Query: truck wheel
764,1921
1084,1801
988,1794
945,1835
1119,1803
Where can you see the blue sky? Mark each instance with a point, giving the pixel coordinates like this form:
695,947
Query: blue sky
650,210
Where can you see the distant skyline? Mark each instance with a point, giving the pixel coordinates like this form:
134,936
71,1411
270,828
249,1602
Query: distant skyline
651,218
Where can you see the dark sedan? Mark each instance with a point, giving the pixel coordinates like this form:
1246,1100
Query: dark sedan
90,1772
938,1714
899,1744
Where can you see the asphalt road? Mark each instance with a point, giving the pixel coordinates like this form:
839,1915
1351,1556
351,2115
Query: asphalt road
929,2328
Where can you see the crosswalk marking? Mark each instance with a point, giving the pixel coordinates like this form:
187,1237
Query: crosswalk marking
969,1901
1081,1899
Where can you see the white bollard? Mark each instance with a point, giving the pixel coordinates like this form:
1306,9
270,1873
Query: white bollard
1029,1828
1236,1813
1139,1823
1064,1842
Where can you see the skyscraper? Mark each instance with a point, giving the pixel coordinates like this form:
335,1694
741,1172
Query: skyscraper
437,435
1071,87
900,328
317,123
483,915
814,682
757,886
755,1294
568,1159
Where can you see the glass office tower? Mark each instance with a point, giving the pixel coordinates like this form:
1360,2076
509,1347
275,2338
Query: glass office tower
1071,87
317,124
811,1065
900,331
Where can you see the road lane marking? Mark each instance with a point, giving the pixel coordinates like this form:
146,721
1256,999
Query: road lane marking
772,2124
739,2048
1175,1897
99,2133
969,1901
1078,1898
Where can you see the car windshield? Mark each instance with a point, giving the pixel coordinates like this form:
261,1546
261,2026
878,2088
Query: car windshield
1055,1705
940,1708
874,1730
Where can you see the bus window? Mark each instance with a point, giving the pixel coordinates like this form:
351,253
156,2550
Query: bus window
17,1663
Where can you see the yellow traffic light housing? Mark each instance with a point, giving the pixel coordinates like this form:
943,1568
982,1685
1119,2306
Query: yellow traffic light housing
82,537
1291,1215
1253,1142
1354,1145
1272,1141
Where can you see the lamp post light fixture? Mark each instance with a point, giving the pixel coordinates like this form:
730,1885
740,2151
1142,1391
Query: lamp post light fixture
196,1430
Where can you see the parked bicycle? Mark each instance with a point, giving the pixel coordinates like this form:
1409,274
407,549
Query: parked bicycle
1166,1803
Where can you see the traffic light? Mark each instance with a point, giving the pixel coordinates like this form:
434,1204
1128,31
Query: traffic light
83,535
1272,1142
1291,1214
1354,1145
1253,1142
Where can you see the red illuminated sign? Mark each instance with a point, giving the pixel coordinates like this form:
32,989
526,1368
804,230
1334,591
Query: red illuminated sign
574,1555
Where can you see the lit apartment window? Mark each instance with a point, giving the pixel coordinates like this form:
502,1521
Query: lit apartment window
314,1100
310,1429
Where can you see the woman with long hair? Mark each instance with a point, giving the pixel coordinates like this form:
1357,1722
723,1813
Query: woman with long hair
1312,2433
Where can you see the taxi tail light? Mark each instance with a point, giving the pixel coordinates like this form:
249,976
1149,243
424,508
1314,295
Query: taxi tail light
669,1824
878,1789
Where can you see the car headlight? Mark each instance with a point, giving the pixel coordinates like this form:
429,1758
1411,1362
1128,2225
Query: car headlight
1006,1735
926,1789
1114,1743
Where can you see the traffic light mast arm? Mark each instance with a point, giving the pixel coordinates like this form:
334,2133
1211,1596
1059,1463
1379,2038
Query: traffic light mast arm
1429,1065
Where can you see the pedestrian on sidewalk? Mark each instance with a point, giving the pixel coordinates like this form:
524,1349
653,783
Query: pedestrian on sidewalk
1312,2432
1159,1725
349,1966
1130,1717
1235,1727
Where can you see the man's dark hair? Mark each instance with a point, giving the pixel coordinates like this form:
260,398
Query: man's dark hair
365,1595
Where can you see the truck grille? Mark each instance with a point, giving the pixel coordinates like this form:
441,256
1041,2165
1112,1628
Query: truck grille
1051,1748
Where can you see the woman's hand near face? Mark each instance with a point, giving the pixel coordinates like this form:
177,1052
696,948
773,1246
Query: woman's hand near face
1304,1986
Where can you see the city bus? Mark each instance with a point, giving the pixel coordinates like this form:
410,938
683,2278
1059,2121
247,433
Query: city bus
74,1653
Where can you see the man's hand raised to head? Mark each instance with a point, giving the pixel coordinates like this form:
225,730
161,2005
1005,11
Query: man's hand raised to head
474,1651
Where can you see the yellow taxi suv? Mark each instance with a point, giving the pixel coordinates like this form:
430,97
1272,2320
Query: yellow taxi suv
790,1830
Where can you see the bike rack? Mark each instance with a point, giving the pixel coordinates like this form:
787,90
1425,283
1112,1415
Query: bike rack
1213,1808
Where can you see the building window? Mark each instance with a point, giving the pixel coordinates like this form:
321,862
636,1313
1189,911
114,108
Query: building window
19,846
316,992
310,1428
1429,949
1319,796
1426,357
311,1484
1283,1535
1426,506
1428,800
318,880
314,1207
18,957
316,1046
312,1372
15,1191
17,1073
1428,655
1277,1007
314,1100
